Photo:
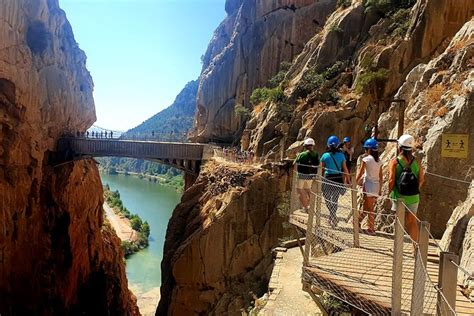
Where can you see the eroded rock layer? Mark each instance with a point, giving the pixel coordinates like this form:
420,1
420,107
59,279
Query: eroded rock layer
219,240
56,257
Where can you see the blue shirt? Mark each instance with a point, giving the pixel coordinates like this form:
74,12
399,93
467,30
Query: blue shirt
329,166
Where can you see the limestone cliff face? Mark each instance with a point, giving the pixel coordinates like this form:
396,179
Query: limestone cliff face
219,240
55,256
246,51
459,239
361,57
440,97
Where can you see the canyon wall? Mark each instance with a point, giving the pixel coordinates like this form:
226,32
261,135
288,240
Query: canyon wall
56,256
245,51
217,252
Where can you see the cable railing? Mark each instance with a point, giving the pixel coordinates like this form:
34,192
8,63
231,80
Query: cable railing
380,272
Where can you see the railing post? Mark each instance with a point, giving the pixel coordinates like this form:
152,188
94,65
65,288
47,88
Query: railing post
447,282
398,260
313,218
309,227
355,212
419,278
319,200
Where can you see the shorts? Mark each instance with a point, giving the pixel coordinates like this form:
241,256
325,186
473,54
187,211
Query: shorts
371,188
412,207
304,184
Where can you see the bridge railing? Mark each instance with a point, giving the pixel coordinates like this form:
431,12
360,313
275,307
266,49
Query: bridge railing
379,272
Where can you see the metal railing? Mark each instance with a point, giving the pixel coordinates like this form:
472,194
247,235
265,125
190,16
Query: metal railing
380,272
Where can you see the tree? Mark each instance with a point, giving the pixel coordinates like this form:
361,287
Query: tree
146,229
136,223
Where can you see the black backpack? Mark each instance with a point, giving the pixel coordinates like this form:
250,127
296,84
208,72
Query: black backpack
408,183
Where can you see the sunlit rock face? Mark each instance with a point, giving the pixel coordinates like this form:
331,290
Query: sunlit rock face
55,255
245,51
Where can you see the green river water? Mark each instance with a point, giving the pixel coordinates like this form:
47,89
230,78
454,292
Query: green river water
153,203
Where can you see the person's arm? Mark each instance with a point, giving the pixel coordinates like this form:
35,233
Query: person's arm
392,173
360,173
421,175
323,166
346,173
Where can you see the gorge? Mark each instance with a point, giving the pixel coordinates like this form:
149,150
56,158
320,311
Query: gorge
324,67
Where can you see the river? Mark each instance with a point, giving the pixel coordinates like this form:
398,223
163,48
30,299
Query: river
153,203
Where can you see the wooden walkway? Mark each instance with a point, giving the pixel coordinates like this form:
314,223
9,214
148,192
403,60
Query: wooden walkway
363,275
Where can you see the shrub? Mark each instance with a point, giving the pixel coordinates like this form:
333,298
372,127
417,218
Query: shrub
145,229
277,79
310,81
333,71
400,23
241,111
277,95
259,95
136,223
386,6
371,78
344,3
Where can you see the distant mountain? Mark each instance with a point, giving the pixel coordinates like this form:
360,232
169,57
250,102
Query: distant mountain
174,122
171,124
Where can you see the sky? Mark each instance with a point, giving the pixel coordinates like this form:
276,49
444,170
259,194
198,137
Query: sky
141,53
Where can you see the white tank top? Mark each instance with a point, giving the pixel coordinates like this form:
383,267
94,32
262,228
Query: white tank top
372,169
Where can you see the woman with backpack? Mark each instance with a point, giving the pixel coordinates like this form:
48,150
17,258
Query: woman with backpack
406,178
371,178
336,175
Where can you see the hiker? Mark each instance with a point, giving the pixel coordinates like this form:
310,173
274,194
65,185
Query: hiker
336,176
406,178
307,163
87,134
371,178
111,134
348,151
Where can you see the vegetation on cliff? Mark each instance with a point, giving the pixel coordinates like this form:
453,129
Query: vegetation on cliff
142,228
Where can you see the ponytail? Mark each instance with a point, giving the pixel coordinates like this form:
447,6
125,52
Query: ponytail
333,149
374,154
407,153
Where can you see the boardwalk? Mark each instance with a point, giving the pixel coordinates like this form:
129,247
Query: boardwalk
365,273
359,268
184,156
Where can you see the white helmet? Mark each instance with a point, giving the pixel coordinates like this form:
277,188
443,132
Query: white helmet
308,142
406,141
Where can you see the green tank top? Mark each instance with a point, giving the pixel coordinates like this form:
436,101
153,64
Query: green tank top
407,199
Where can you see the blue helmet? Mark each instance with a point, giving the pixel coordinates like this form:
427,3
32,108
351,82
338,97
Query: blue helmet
371,143
346,139
333,141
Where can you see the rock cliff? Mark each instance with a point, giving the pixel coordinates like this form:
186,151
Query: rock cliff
246,50
219,240
56,257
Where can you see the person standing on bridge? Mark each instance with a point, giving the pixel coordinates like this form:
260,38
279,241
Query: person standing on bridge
371,171
406,177
348,151
307,163
336,176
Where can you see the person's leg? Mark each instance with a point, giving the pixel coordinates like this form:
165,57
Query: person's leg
364,210
411,222
333,198
303,197
370,213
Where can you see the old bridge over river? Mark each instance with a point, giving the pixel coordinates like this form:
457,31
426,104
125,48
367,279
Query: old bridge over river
184,156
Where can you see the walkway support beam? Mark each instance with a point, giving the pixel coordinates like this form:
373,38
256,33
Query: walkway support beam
447,283
397,270
419,278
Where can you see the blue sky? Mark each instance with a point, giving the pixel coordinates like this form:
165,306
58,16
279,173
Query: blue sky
141,53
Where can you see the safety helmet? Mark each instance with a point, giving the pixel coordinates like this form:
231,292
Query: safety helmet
333,141
308,142
406,141
346,140
371,143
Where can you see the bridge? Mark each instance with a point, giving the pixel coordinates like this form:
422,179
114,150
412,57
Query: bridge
183,156
379,274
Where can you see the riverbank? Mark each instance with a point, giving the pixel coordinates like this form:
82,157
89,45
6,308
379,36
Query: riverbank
176,182
130,228
121,225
